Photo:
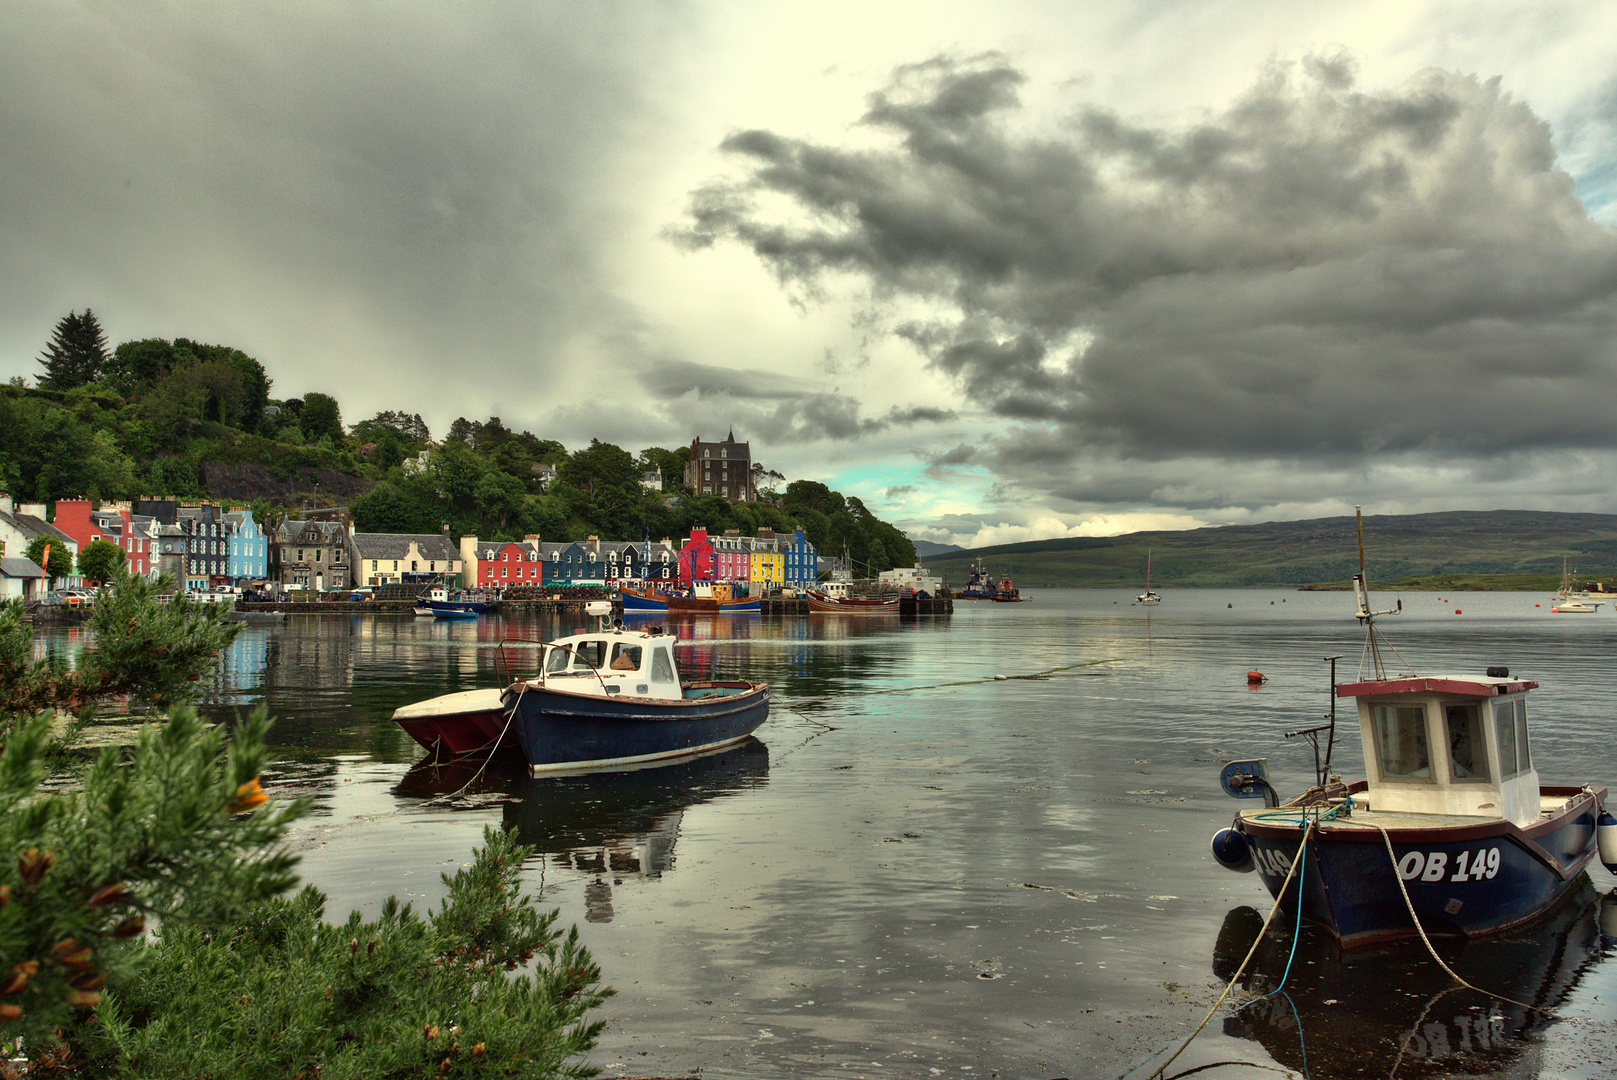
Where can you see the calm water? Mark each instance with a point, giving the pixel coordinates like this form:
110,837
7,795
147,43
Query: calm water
921,870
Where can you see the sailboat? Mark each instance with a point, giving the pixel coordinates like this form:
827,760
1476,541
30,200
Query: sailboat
1148,597
1570,601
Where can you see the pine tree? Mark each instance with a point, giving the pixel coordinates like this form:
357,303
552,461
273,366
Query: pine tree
77,352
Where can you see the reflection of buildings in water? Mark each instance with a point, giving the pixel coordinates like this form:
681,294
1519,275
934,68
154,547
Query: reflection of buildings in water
243,664
1391,1009
310,653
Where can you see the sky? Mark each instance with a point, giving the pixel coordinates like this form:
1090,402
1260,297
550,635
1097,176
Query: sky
1004,272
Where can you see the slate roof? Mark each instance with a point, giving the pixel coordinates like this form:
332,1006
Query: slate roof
432,546
15,566
30,526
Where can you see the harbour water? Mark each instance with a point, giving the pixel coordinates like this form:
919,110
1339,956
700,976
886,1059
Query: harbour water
969,846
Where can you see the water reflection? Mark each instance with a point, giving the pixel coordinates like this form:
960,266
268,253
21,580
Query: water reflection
608,826
1395,1012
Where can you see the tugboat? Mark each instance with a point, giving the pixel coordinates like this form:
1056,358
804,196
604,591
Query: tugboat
1450,834
1006,592
981,585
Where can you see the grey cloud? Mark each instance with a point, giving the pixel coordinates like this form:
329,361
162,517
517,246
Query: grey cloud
1315,273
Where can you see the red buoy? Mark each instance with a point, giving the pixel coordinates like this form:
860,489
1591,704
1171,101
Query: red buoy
1254,677
1456,611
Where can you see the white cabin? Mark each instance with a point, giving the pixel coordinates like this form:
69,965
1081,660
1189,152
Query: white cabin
1452,745
610,660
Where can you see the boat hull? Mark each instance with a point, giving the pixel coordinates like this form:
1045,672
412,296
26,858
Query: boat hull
1466,880
637,601
851,605
456,724
560,730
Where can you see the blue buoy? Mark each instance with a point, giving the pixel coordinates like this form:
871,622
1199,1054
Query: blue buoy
1232,851
1606,839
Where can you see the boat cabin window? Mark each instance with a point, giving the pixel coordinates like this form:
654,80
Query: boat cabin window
662,666
556,662
1510,722
1468,748
1401,749
589,654
625,657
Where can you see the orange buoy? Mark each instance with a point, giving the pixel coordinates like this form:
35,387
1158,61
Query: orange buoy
1253,677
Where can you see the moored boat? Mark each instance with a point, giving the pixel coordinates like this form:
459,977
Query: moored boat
1148,597
980,586
1007,592
717,598
612,696
441,602
1451,832
1571,600
829,603
459,723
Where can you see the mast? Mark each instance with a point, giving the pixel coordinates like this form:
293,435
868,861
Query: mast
1361,593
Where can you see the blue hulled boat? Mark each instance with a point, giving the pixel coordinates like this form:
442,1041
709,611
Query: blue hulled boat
1450,829
440,602
613,696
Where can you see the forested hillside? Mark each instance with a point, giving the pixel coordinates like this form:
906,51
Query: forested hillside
180,418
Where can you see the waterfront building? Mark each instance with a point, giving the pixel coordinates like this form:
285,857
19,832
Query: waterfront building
248,558
21,579
769,560
721,468
136,534
732,557
20,523
801,567
502,564
207,546
696,558
579,563
311,555
405,558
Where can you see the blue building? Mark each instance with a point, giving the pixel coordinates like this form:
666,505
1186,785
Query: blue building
249,548
802,562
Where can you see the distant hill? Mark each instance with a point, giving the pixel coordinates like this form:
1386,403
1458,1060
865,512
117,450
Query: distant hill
925,549
1297,553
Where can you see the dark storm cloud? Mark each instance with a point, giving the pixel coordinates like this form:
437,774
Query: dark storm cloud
1315,273
367,196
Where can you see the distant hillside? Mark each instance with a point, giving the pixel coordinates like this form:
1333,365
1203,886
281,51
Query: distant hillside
1296,553
926,549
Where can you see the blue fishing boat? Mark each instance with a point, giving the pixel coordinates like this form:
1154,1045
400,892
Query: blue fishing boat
1451,833
613,696
439,601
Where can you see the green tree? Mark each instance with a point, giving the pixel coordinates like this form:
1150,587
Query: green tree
101,560
400,996
321,417
76,353
240,983
57,562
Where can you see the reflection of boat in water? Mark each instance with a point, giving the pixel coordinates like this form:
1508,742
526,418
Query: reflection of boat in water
615,808
1452,823
1383,1011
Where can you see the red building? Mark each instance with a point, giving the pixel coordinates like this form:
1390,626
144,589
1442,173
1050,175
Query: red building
75,518
696,559
506,565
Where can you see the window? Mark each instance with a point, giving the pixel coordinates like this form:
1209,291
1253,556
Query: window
625,657
1468,749
1400,742
592,653
1510,718
707,453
